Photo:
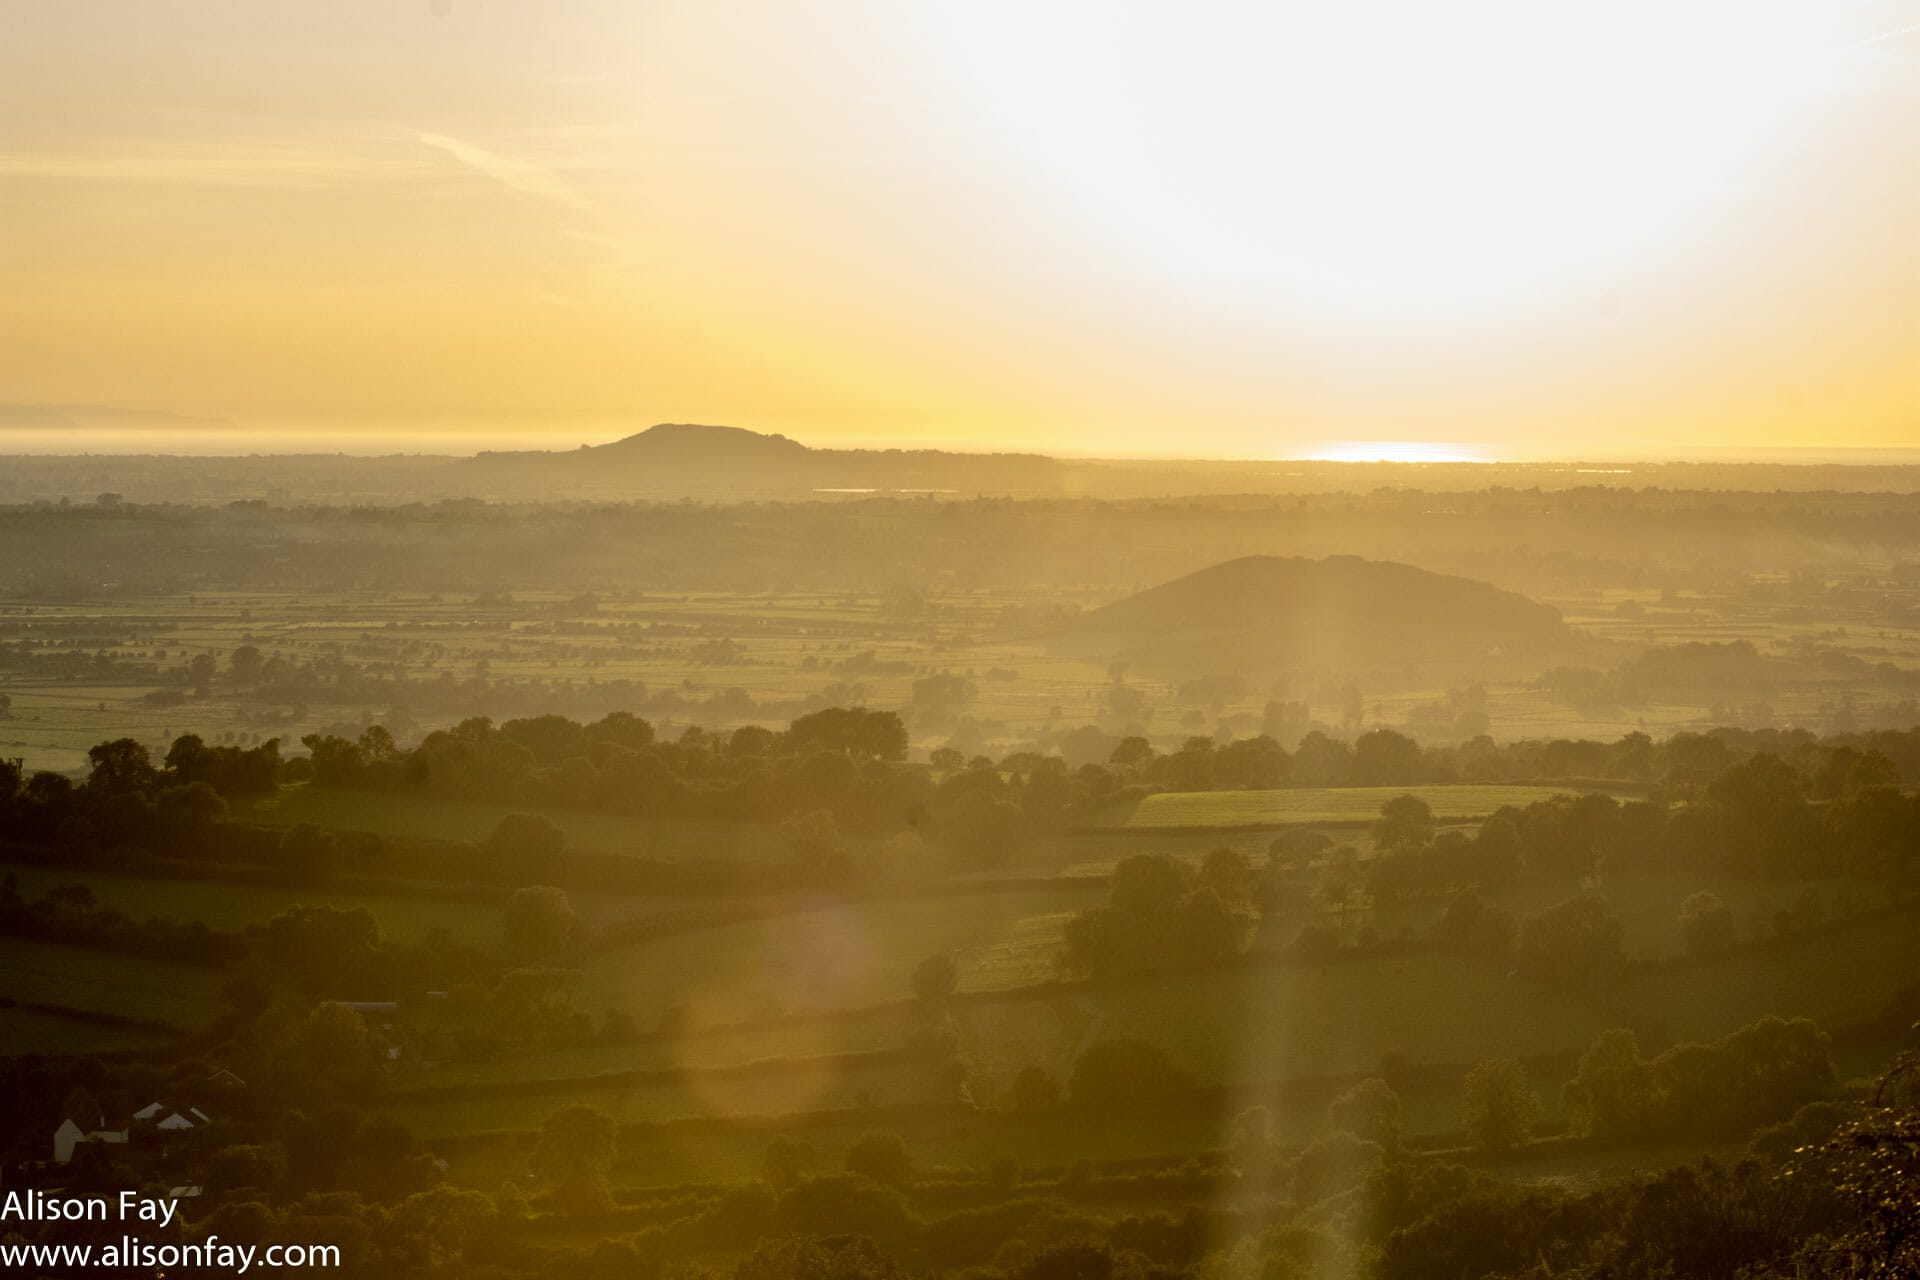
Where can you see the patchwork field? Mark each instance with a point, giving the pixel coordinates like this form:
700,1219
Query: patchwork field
835,956
471,914
417,816
1254,1023
1306,806
1285,1020
795,1088
1646,901
124,986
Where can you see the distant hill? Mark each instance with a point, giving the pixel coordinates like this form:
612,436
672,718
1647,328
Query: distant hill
675,456
1270,610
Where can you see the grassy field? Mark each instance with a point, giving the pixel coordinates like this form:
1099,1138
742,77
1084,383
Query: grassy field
94,980
876,1029
1281,1021
799,1087
418,816
1306,806
232,906
25,1031
835,955
1254,1024
1645,899
663,1156
794,644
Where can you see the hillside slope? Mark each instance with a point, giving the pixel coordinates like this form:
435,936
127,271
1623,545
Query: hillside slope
1258,610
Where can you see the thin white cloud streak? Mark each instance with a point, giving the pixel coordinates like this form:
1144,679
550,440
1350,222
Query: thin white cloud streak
601,229
295,169
518,175
1890,35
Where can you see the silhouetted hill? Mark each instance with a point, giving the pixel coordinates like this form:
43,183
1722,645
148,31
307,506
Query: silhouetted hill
674,456
1264,609
691,444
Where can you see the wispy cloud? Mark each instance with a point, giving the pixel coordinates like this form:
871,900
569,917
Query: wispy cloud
519,175
287,168
586,220
1885,36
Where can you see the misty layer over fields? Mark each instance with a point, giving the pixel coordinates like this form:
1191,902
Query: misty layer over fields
703,855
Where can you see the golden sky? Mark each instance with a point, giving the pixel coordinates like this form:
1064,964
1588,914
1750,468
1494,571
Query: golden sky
1198,228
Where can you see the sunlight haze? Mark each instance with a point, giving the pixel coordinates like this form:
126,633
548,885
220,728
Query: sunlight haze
1070,226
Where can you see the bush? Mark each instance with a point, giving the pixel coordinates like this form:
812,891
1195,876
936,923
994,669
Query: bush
882,1157
1501,1106
1706,925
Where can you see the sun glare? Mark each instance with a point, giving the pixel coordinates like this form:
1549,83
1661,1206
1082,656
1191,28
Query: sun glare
1397,152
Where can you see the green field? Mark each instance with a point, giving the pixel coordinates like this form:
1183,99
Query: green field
474,918
758,1042
1273,1022
1645,899
1305,806
835,955
413,815
798,1087
25,1031
127,986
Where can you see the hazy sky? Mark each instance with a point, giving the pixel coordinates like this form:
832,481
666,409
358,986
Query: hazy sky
1180,228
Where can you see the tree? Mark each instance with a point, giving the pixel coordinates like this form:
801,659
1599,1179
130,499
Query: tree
436,1230
245,664
983,828
1204,930
1382,757
573,1155
1405,822
539,919
184,815
1340,883
945,690
1612,1093
244,1167
877,735
536,1005
1575,944
785,1163
881,1156
335,1051
1706,924
842,1257
1763,819
1227,872
1369,1110
935,978
321,947
813,840
1501,1106
119,766
1475,927
1496,850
